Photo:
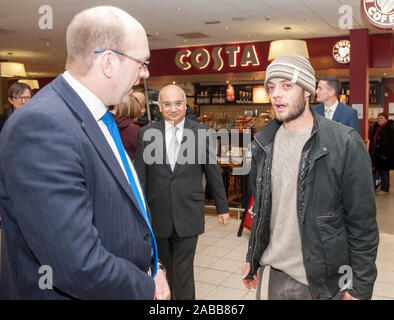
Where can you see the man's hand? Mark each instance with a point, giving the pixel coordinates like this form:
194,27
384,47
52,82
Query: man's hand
162,291
223,218
249,283
347,296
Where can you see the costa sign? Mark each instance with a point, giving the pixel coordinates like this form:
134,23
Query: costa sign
380,13
200,58
341,51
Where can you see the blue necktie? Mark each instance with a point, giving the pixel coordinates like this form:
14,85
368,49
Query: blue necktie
109,120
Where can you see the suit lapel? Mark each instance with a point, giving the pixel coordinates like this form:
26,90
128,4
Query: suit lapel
94,133
338,113
162,128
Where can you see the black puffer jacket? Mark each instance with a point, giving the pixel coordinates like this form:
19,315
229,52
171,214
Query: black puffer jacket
382,155
335,206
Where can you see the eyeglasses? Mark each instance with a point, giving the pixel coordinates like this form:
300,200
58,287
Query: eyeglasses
143,63
20,98
178,104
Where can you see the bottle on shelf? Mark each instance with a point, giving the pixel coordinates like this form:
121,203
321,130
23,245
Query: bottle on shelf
342,96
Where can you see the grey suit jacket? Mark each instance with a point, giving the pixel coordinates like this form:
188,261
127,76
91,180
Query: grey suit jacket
177,198
65,203
343,114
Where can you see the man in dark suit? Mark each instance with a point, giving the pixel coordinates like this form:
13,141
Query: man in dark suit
327,92
73,226
172,178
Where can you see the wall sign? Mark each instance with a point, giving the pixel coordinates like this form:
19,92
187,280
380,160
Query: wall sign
200,58
379,13
341,51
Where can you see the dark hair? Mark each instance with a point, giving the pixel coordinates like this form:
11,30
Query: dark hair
18,88
332,82
383,115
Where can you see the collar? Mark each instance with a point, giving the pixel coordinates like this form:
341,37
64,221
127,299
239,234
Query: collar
94,104
180,125
333,107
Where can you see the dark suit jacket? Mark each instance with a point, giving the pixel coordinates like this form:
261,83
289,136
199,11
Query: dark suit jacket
343,114
177,198
66,203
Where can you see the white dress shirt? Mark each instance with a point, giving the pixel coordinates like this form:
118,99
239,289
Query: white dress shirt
330,110
98,109
169,133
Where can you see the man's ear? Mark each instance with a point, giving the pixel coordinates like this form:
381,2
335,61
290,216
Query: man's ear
10,100
108,64
307,94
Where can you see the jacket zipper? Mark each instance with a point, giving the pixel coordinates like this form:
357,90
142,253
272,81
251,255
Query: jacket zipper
261,204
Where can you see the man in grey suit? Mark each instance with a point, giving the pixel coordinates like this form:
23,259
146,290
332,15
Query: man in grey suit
171,176
327,92
73,226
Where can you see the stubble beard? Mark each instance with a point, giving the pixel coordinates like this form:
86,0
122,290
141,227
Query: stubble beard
294,112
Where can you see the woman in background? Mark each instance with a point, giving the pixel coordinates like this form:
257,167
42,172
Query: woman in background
381,149
126,116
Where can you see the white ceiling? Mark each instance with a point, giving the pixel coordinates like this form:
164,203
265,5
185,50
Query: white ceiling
44,53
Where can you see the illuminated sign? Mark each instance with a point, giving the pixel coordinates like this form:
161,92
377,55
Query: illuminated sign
380,13
200,58
341,51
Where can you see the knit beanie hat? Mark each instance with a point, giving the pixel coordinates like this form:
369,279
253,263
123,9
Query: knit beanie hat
294,68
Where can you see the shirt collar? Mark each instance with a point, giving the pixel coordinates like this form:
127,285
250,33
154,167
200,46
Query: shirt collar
180,125
333,107
94,104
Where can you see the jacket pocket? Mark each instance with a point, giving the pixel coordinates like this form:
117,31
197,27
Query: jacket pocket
198,196
334,240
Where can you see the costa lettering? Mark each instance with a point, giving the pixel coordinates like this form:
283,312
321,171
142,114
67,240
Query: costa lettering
380,13
200,58
341,51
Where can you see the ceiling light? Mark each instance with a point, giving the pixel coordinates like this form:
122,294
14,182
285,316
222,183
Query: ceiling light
32,83
267,18
212,22
225,27
287,28
279,47
179,8
12,69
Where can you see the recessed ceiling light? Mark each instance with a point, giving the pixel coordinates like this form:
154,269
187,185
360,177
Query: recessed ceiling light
179,8
212,22
267,18
225,27
157,33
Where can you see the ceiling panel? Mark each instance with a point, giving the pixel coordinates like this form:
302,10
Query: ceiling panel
20,34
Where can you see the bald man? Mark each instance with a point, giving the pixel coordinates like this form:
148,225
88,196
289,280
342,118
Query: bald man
75,221
174,187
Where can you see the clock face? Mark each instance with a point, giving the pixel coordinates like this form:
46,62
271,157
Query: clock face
379,13
341,51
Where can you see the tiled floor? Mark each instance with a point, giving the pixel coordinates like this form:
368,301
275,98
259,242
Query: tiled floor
221,255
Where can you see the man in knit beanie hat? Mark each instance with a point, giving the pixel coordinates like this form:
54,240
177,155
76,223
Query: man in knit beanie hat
314,204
